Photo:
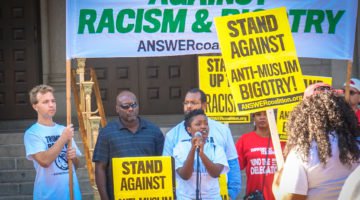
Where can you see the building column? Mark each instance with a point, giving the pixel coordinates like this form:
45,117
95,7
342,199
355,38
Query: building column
53,19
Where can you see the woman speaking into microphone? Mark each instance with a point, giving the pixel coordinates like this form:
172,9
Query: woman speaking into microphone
198,162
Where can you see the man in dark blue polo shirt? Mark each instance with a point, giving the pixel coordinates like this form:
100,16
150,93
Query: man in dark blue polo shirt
129,136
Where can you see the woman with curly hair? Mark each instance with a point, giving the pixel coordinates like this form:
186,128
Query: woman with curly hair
321,149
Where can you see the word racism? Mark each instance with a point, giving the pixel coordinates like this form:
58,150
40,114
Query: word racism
218,102
143,182
205,2
168,19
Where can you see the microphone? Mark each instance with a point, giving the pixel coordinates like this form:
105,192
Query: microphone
198,135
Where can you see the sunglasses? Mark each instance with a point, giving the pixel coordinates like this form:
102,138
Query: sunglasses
126,107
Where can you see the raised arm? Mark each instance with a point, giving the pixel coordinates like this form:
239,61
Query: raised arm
186,171
214,169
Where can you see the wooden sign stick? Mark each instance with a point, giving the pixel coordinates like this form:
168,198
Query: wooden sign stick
275,138
68,122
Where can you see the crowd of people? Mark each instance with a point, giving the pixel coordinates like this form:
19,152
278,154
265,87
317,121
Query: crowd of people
322,153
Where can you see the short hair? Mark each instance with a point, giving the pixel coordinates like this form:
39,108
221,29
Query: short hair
190,116
42,89
202,94
124,93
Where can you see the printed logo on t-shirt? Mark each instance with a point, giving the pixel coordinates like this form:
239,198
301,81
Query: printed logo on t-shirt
262,150
261,165
211,140
61,161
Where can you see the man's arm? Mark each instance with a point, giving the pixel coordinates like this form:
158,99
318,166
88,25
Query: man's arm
234,174
169,143
101,179
45,158
175,135
234,178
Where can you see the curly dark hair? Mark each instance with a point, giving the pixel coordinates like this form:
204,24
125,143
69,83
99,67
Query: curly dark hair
190,116
314,119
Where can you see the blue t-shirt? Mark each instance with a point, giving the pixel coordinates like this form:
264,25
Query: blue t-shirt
51,183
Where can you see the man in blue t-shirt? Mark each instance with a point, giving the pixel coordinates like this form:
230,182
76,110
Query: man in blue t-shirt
219,134
46,145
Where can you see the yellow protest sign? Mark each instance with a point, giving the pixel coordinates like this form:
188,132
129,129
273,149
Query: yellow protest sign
281,119
284,111
260,59
141,178
223,187
220,101
309,80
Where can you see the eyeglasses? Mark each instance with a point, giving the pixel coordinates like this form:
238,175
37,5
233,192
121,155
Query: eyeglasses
190,103
353,92
323,89
126,107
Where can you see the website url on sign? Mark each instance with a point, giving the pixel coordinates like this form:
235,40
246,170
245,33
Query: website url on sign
270,102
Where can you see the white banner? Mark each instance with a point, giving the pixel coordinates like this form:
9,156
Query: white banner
144,28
